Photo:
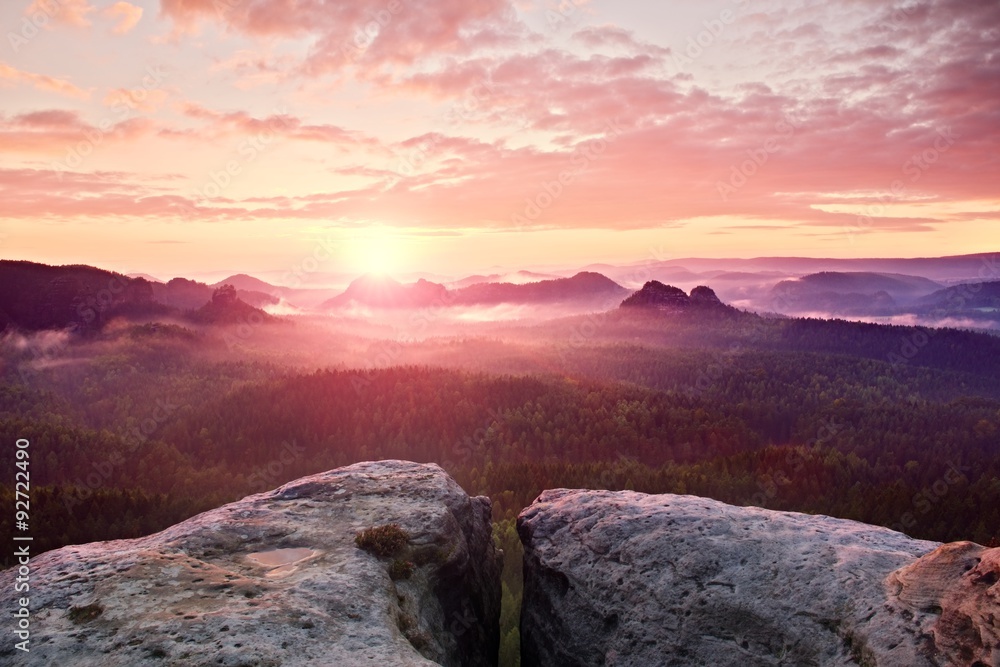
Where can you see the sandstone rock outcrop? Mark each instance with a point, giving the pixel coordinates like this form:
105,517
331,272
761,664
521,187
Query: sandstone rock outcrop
277,579
705,295
656,296
956,587
623,578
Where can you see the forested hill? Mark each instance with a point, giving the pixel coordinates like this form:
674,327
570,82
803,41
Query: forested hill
824,442
83,299
134,433
37,296
728,329
944,348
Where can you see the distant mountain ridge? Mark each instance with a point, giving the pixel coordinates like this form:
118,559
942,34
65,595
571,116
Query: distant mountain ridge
36,297
749,282
516,278
855,281
191,294
966,295
247,283
378,291
849,293
950,268
384,292
584,286
973,303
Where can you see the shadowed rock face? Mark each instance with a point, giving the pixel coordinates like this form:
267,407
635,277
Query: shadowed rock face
622,578
276,579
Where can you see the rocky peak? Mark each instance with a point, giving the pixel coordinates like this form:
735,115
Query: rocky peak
277,579
656,295
623,578
702,294
224,295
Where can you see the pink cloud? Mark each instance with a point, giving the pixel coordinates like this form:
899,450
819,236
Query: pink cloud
56,131
219,123
555,91
366,32
68,12
51,119
44,82
595,37
859,127
127,15
847,107
34,193
145,100
254,68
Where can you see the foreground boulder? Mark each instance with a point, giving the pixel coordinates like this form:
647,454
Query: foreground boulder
277,579
623,578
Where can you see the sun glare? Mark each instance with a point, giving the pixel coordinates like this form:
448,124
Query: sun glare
377,251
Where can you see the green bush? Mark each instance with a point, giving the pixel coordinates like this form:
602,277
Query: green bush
382,540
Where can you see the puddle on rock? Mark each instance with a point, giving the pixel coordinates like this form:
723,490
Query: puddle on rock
281,562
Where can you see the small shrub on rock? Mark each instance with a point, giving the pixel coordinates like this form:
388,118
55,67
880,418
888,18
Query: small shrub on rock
382,540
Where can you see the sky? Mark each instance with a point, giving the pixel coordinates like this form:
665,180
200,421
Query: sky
178,137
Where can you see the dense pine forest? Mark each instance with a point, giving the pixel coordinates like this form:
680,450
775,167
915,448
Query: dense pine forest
139,428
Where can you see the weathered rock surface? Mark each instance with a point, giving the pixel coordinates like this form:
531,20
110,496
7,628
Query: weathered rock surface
622,578
956,588
276,579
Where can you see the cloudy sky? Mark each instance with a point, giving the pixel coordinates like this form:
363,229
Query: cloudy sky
184,136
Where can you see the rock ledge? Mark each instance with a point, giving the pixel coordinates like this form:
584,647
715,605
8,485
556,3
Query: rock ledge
623,578
276,579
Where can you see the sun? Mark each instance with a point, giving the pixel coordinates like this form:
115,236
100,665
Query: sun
378,251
